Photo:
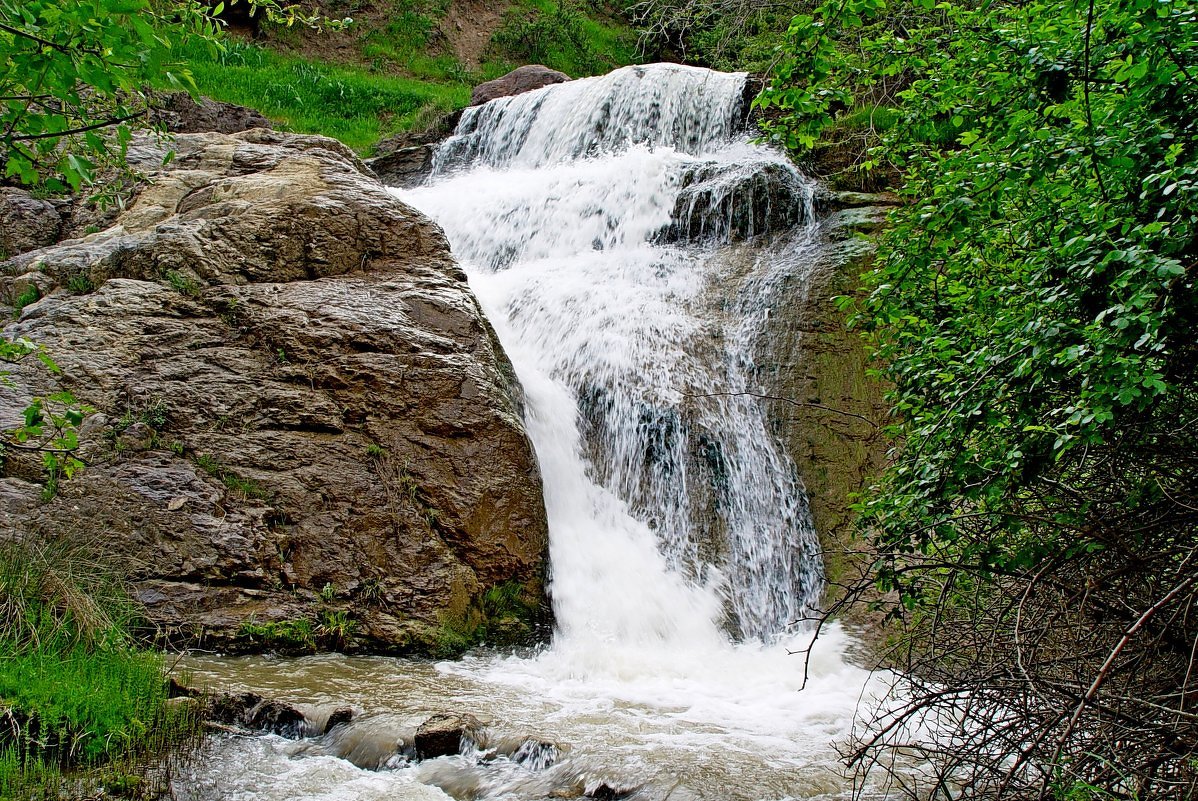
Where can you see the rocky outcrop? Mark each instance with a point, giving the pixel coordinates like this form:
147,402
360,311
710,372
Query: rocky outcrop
830,418
405,159
27,222
517,82
306,432
178,112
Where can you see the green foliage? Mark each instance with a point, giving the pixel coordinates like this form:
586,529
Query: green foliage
74,75
1033,306
407,42
49,425
184,284
293,634
342,101
1035,298
79,692
562,36
73,68
731,35
504,615
30,296
80,284
333,628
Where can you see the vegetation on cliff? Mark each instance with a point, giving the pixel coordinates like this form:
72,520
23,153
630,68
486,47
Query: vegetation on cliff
1033,305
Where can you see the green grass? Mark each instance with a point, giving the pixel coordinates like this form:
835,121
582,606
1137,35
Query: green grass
361,101
342,101
563,36
83,697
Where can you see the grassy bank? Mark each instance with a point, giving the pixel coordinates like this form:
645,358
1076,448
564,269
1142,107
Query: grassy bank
394,73
81,707
342,101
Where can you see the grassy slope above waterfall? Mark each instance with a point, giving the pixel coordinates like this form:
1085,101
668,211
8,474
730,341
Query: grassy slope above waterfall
400,65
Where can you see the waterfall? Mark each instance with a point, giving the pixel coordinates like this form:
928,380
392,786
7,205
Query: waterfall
611,228
628,243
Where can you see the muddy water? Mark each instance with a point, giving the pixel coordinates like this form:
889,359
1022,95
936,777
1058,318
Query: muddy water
740,725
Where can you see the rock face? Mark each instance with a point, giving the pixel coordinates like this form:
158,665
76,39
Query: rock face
26,222
405,159
307,434
517,82
832,434
181,114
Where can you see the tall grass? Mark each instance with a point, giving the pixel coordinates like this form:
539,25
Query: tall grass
342,101
81,707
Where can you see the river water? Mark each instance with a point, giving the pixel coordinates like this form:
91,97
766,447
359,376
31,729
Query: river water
627,243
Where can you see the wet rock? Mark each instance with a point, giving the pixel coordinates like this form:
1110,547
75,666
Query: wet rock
716,204
517,82
405,167
311,399
533,753
370,742
811,356
606,792
252,711
231,708
28,222
340,716
277,717
180,113
443,734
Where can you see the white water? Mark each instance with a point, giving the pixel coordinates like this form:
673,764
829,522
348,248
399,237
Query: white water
594,219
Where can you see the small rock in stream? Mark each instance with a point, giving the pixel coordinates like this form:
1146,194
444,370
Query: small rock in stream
442,734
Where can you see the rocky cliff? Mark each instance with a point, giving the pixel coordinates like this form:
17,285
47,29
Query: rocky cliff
829,409
305,430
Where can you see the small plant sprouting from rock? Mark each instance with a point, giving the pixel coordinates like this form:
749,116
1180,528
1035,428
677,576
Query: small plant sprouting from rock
375,451
299,633
245,487
336,626
183,284
504,615
30,296
80,284
327,593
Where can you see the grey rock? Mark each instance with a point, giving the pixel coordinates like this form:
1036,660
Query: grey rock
405,167
180,113
26,222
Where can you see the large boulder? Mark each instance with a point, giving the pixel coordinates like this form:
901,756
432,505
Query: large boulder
306,434
517,82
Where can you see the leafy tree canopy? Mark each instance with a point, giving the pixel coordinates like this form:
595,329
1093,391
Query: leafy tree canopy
74,77
1033,307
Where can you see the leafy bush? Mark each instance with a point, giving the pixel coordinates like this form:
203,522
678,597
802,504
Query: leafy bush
1033,306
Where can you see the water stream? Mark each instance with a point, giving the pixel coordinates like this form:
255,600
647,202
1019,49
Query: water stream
628,245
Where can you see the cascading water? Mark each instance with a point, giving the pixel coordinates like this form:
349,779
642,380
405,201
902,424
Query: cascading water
590,218
628,245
